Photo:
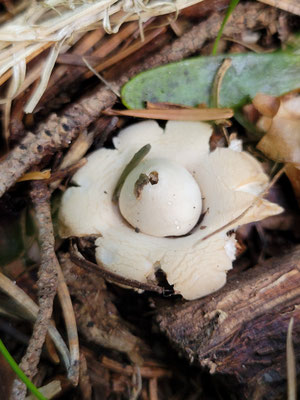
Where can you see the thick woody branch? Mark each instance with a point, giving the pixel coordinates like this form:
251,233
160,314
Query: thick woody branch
240,332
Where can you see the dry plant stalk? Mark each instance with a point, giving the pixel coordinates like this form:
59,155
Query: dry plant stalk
47,285
50,390
70,321
58,131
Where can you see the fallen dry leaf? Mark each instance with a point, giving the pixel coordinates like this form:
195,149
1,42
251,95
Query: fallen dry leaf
281,143
35,176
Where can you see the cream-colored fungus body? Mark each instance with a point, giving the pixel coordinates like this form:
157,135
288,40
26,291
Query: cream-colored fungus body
161,198
140,234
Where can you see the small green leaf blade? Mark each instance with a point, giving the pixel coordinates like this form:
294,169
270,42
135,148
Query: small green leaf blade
189,82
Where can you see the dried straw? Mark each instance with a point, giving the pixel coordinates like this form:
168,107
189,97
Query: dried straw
50,23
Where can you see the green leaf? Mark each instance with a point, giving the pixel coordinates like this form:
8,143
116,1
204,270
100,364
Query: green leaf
14,366
189,82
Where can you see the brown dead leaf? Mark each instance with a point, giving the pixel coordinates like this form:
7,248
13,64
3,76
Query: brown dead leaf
267,105
281,143
293,174
36,176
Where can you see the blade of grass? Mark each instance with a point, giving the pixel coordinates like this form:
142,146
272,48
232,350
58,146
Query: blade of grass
291,363
230,9
20,373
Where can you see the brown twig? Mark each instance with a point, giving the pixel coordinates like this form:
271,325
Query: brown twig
147,371
47,285
112,277
59,131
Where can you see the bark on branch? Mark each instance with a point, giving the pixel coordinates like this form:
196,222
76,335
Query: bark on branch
47,285
240,332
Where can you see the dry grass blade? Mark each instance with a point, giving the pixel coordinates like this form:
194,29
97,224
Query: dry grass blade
56,20
115,41
196,114
106,83
70,321
217,84
49,391
215,94
250,46
125,53
29,55
47,69
19,71
291,364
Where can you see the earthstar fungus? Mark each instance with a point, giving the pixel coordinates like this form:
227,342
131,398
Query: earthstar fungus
155,224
